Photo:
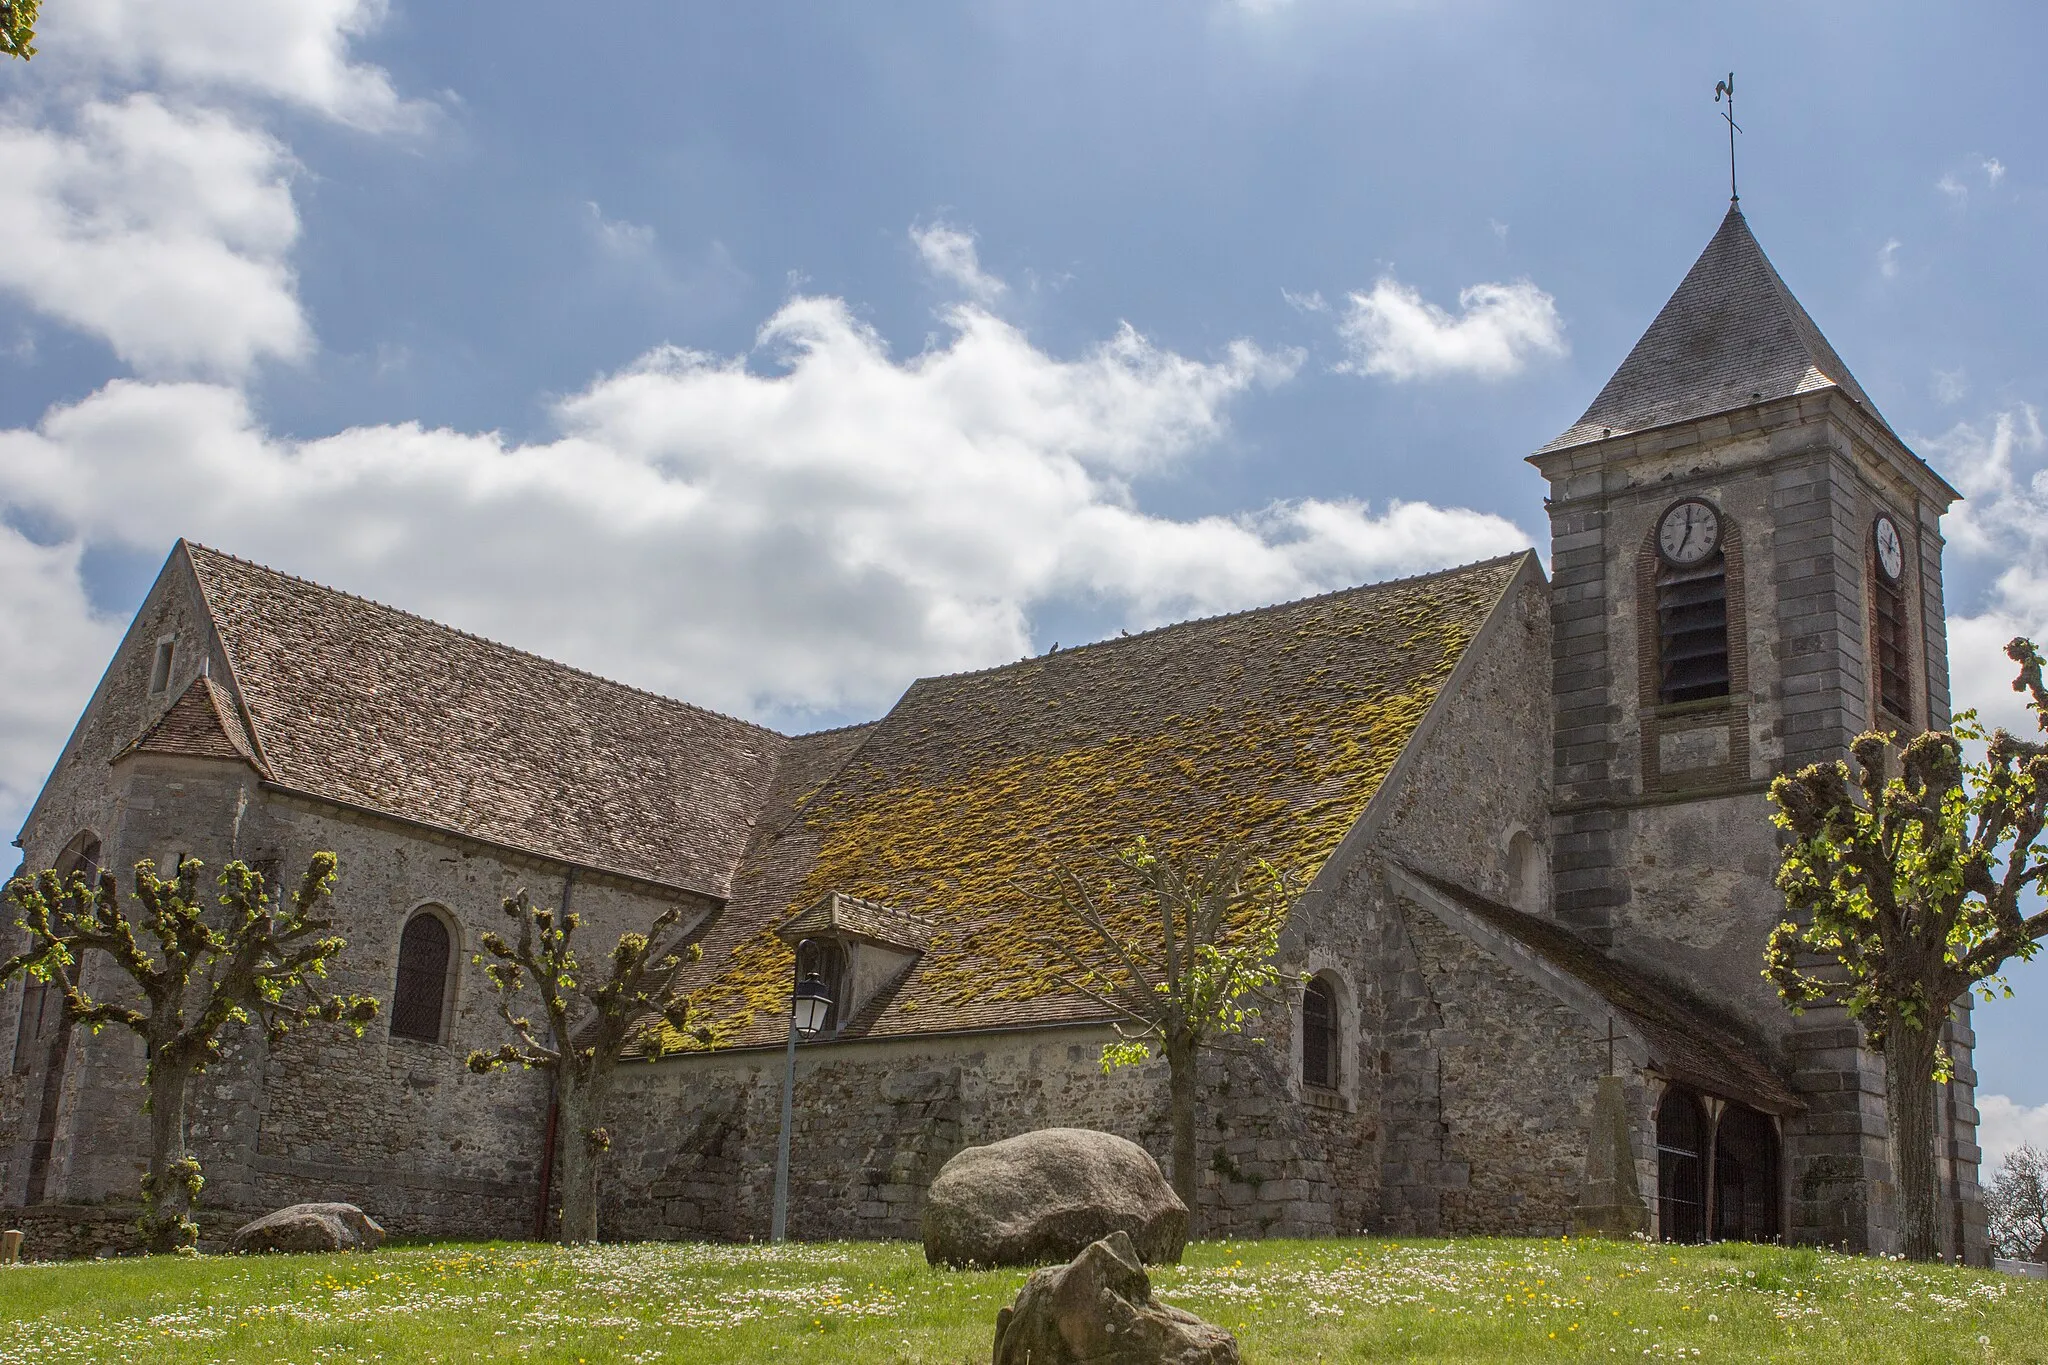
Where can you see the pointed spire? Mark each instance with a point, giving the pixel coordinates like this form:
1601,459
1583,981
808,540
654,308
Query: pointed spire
1731,336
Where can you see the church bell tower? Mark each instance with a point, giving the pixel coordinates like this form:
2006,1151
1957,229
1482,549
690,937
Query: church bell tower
1746,568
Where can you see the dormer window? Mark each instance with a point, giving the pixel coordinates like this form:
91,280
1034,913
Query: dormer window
826,959
858,949
160,668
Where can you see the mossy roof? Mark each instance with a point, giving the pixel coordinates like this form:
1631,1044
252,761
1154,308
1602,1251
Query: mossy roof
1274,727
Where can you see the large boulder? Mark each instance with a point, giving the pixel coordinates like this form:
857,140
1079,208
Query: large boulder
311,1227
1044,1196
1099,1310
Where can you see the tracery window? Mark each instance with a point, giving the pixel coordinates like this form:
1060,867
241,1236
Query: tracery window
421,995
1319,1034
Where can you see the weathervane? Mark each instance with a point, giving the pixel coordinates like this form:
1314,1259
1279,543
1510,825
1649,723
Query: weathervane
1727,88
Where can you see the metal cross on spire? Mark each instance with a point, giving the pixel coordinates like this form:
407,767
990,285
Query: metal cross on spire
1726,89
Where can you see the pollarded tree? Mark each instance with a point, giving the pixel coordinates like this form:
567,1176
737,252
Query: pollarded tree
1910,878
18,28
587,1027
1181,951
199,972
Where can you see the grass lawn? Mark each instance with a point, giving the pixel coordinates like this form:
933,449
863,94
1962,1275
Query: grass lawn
876,1303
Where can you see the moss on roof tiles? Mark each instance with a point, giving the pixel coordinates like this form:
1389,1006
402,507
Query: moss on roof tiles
1275,726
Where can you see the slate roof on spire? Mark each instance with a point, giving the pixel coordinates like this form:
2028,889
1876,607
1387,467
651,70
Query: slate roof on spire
1731,335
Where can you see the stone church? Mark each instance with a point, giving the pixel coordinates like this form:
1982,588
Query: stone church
1524,984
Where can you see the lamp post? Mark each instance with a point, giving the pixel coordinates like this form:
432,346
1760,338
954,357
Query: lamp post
808,1006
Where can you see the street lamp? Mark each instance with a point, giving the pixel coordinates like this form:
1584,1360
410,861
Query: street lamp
808,1007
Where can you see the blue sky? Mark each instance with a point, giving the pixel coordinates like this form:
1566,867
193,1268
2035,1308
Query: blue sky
771,356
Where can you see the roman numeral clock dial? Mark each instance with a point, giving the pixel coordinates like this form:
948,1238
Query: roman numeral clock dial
1689,532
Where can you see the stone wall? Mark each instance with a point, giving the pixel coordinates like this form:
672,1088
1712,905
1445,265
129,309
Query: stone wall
694,1147
397,1126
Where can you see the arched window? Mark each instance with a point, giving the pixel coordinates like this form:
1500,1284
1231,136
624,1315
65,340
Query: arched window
1745,1176
421,996
1888,621
1319,1034
1681,1172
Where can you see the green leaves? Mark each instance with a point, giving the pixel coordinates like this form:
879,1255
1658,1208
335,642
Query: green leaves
1179,947
18,28
1907,872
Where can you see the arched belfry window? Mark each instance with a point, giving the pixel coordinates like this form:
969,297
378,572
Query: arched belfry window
1319,1034
1692,603
426,955
1888,624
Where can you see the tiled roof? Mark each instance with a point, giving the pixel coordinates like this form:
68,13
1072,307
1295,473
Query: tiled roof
1273,726
363,704
1732,335
200,724
1690,1041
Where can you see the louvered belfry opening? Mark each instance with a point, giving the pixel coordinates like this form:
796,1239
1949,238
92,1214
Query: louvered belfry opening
1319,1035
1892,667
1692,630
422,990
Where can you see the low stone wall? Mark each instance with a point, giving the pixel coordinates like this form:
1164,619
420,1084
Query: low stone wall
72,1232
80,1232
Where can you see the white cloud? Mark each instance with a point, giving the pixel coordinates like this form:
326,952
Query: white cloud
2003,1126
2001,469
619,239
801,540
1950,386
1888,259
1956,190
1993,168
163,231
950,254
295,52
52,650
1499,328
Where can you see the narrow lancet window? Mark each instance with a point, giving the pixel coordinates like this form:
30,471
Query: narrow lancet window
1319,1035
422,990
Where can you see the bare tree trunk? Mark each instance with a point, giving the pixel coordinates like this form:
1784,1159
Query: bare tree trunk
170,1188
1180,1079
584,1141
1909,1086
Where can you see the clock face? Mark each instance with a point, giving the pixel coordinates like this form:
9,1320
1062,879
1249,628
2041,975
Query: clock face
1891,551
1689,532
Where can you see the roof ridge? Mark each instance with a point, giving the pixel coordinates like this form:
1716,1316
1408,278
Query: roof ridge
486,640
1239,614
